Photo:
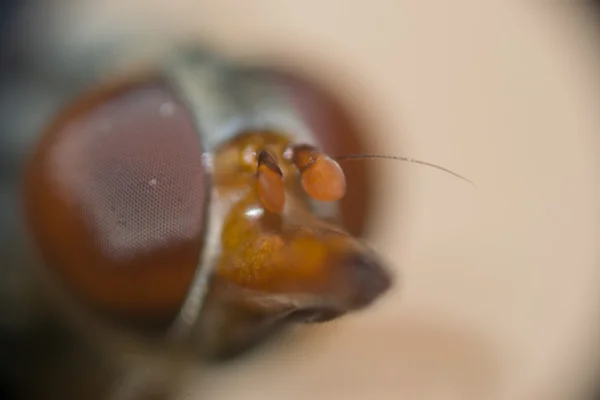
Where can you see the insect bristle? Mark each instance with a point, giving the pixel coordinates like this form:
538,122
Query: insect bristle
354,157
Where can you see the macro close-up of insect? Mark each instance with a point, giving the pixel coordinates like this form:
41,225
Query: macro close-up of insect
199,213
196,209
208,206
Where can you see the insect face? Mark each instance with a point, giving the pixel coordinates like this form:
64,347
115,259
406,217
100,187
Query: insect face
144,213
281,263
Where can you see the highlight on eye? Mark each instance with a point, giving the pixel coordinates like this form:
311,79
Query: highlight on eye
270,185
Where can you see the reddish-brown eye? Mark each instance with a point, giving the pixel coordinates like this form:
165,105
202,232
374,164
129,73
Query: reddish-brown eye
114,199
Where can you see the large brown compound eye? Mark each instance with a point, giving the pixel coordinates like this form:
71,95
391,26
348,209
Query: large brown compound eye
114,199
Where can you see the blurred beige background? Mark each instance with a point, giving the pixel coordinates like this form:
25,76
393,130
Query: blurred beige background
500,292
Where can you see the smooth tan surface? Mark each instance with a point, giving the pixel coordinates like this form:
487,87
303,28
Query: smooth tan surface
499,294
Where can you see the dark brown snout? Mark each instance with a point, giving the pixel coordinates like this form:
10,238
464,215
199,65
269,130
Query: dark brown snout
366,278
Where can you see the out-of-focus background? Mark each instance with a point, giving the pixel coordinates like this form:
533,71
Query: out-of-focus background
499,293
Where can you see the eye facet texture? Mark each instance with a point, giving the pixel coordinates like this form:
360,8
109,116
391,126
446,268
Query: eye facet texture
115,196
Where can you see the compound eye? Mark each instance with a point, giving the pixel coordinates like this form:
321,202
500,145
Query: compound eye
114,198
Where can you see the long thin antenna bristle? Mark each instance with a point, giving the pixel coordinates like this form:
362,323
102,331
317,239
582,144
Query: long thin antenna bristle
386,157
